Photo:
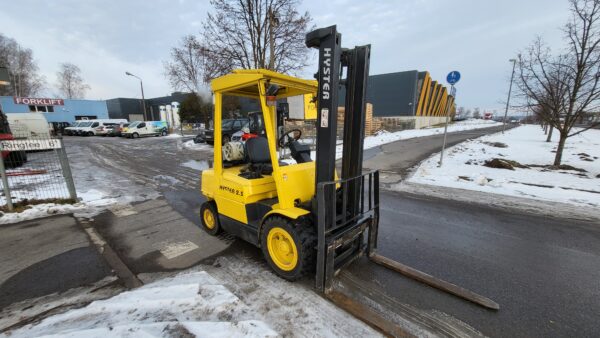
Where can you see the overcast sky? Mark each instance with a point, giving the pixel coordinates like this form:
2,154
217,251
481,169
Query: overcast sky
106,38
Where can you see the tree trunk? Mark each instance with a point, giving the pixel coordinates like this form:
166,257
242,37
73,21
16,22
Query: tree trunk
549,138
559,149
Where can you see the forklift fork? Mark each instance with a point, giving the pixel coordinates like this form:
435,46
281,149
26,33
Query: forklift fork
340,237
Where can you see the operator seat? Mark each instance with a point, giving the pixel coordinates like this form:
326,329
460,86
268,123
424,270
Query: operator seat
257,150
259,158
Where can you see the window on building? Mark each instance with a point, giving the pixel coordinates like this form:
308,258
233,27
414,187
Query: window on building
41,109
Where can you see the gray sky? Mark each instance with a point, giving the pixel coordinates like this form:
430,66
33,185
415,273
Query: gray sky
106,38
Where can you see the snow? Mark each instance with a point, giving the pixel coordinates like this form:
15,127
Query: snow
291,309
188,304
173,135
526,145
196,146
384,137
196,165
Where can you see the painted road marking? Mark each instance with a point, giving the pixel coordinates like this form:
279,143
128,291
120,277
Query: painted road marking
177,249
123,210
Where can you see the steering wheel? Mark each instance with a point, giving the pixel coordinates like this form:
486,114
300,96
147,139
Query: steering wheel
290,136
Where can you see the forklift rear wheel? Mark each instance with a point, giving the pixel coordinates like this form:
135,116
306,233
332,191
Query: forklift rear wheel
288,247
210,218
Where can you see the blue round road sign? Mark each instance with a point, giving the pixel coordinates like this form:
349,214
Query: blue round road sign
453,77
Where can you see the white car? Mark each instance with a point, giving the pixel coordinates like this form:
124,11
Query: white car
97,127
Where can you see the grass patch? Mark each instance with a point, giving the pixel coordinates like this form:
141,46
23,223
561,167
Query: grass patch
27,204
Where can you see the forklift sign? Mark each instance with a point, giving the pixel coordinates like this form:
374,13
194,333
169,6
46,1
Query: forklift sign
324,117
24,145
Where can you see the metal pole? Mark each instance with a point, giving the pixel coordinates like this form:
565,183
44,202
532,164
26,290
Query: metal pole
514,61
143,100
66,169
7,195
446,128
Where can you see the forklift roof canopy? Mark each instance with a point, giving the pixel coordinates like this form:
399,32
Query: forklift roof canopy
243,82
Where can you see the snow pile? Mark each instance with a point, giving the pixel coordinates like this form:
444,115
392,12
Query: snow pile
291,309
196,165
187,305
464,168
173,135
195,146
384,137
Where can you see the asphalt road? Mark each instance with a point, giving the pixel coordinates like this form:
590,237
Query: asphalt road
543,272
40,257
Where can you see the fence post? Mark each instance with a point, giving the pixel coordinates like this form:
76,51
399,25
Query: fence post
6,188
66,169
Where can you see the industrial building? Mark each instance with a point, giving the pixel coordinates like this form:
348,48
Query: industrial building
131,109
56,110
408,100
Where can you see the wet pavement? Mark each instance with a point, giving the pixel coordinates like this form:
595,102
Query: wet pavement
45,256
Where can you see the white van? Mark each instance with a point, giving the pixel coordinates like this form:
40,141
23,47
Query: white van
71,129
97,127
28,125
145,128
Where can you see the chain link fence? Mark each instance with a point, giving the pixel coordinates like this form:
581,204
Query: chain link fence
33,171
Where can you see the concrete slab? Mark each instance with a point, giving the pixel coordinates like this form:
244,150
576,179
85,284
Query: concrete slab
154,237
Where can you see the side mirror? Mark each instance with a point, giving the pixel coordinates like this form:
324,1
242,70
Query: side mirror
283,109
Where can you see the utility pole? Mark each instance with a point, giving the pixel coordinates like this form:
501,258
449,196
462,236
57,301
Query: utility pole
143,99
514,61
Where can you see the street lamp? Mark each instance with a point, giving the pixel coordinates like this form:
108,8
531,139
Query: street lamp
514,61
142,87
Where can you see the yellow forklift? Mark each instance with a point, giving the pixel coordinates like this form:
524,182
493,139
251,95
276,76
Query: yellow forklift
305,218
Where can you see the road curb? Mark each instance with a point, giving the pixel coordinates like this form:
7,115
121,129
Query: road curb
130,280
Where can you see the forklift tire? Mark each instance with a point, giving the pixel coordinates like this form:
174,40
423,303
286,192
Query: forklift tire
210,218
289,247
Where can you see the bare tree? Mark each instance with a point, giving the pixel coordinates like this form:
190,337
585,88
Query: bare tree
70,83
255,34
564,87
22,69
185,70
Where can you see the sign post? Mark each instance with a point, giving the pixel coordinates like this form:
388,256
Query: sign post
452,79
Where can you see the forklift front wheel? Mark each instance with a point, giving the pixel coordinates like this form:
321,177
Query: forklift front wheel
210,218
288,247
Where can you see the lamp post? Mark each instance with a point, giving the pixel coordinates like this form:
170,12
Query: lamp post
514,61
143,99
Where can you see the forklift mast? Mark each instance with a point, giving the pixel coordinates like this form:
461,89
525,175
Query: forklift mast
332,62
345,208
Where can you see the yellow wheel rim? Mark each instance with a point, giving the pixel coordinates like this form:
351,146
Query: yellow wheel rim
282,249
209,219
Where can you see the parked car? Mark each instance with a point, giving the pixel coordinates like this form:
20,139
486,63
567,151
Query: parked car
116,129
70,130
98,127
229,127
58,128
145,128
81,128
